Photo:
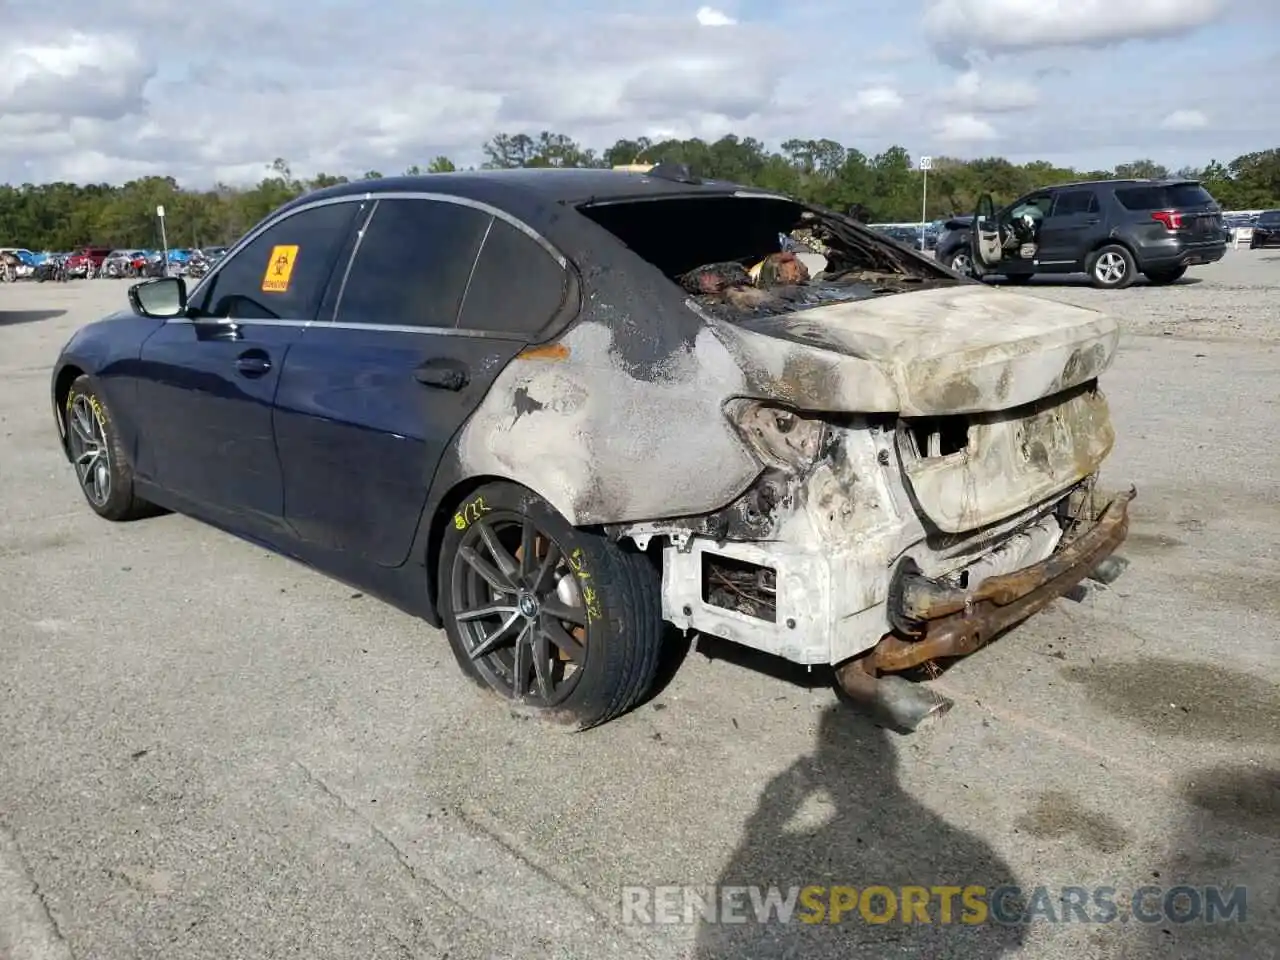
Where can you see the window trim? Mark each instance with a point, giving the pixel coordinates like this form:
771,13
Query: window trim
569,307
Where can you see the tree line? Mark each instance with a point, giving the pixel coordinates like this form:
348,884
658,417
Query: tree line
60,216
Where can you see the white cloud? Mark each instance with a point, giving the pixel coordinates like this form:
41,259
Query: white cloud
711,17
979,93
877,99
76,75
960,27
964,128
115,90
1183,120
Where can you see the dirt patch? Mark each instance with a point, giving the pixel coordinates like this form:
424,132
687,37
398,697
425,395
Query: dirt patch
1235,590
1058,814
1193,701
1140,541
1245,797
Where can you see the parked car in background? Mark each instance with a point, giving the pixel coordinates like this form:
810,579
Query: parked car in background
19,263
87,261
1266,230
1112,230
609,399
119,263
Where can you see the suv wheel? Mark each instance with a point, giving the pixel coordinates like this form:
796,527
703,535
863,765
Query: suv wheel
1169,275
559,619
1111,267
961,263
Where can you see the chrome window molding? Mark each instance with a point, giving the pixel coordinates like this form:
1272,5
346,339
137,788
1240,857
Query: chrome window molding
332,325
375,198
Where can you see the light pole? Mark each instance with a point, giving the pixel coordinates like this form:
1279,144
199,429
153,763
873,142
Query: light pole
164,239
926,164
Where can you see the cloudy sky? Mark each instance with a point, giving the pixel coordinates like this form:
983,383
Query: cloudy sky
214,90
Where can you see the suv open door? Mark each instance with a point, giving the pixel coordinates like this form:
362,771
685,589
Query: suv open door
984,238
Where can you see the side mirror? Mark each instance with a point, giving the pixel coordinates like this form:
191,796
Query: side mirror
164,298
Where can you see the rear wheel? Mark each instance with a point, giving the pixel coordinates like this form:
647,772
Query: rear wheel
1171,275
559,619
1111,267
103,472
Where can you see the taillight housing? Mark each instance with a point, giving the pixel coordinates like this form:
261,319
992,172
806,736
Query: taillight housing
1171,219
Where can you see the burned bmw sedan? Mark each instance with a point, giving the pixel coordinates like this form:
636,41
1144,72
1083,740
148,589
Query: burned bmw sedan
551,409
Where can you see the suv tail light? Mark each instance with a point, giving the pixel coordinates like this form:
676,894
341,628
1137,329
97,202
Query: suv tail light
1170,218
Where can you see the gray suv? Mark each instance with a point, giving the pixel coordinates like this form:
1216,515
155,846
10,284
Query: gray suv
1111,230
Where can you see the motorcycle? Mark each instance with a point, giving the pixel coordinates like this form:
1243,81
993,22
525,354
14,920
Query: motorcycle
53,269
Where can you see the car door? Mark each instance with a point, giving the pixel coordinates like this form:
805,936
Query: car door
207,381
1066,232
985,237
438,297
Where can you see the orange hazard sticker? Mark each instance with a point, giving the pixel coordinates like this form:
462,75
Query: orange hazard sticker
279,269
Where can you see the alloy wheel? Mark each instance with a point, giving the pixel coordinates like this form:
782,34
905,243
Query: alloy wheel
1110,268
520,609
89,449
961,264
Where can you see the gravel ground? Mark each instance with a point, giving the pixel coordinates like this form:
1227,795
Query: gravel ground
208,751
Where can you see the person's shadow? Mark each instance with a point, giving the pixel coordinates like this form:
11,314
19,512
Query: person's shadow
839,818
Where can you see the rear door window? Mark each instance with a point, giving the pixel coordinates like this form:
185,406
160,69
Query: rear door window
1163,196
413,264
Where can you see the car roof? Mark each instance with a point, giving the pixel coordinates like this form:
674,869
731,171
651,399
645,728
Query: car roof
531,184
1131,182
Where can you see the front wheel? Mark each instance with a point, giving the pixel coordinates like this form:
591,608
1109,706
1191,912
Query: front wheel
1161,277
1111,267
559,619
103,472
961,263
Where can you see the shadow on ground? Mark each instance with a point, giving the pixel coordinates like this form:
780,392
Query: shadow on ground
839,818
1231,842
11,318
1074,280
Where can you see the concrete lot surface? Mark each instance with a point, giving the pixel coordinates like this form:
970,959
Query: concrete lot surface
210,752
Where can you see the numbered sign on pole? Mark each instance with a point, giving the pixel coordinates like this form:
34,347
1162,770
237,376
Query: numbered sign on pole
926,163
160,211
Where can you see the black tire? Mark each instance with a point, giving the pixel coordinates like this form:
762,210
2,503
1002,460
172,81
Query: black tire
1111,267
1161,277
595,670
108,488
960,261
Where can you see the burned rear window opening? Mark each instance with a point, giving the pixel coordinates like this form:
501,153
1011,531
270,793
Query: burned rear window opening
751,256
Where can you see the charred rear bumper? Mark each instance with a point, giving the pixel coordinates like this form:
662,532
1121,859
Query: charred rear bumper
936,621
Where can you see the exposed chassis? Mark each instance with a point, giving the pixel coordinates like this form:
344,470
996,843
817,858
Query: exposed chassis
935,621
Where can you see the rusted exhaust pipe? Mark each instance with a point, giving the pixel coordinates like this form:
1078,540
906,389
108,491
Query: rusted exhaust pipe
903,704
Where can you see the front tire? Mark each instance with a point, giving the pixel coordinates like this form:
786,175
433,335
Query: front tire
544,614
961,262
1111,267
1162,277
93,444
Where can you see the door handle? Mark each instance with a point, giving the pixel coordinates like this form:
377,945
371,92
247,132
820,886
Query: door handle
1092,221
253,364
445,374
